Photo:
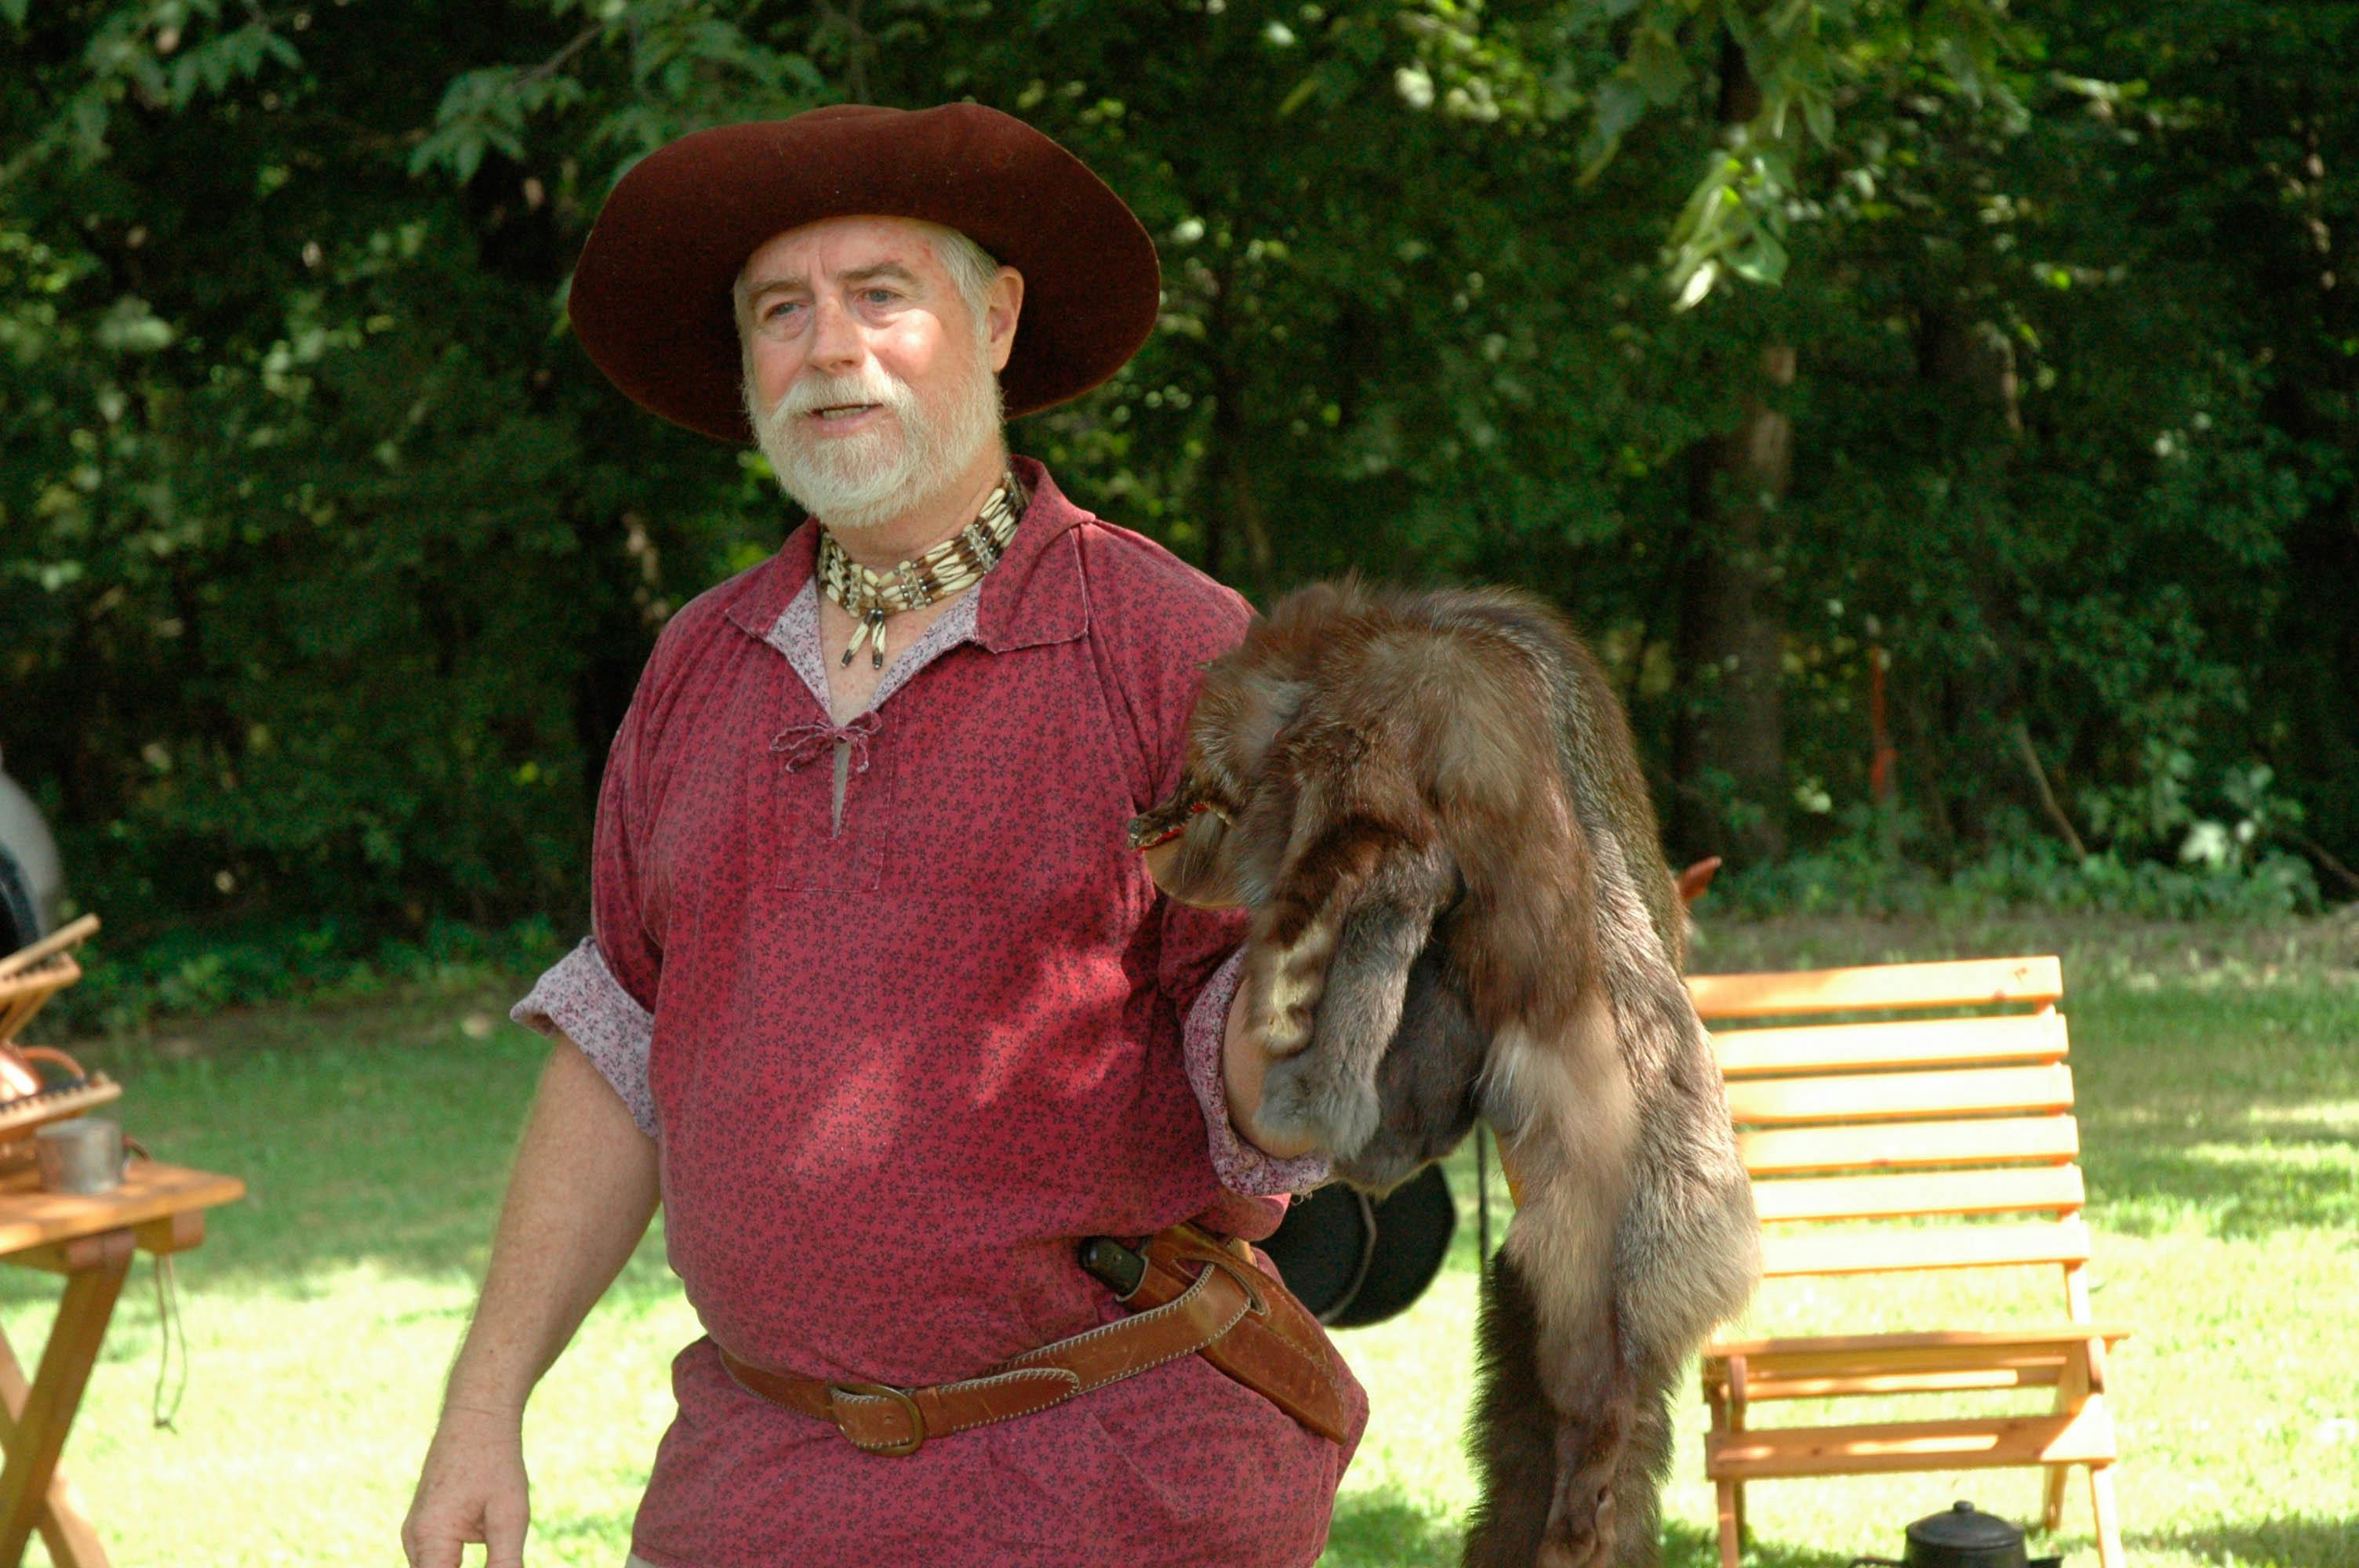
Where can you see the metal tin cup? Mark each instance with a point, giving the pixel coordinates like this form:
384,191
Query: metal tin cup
83,1154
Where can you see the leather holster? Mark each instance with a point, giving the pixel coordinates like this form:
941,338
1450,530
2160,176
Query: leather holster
1278,1348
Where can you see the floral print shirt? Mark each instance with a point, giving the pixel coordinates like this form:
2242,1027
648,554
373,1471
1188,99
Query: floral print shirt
906,1017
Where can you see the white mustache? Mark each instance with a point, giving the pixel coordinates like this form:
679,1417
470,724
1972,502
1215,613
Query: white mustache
836,391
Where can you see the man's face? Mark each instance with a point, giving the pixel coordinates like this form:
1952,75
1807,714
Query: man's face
871,384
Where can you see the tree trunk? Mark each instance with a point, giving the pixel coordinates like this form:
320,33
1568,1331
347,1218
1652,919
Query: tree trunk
1969,359
1728,745
1234,497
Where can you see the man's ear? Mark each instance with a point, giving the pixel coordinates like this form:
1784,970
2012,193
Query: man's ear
1002,304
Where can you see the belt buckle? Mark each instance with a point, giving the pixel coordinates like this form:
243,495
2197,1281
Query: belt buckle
900,1396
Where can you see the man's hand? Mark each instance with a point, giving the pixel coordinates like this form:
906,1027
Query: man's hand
471,1487
1243,1064
584,1187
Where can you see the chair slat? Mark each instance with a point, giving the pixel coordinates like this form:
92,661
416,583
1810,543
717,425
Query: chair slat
1782,1352
1885,1144
1915,1043
2046,1375
1962,983
1946,1247
2055,1188
2011,1360
1970,1444
1892,1096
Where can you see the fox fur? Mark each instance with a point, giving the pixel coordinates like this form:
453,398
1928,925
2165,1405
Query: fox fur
1431,805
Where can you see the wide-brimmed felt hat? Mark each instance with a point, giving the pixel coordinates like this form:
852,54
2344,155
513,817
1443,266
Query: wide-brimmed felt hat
651,302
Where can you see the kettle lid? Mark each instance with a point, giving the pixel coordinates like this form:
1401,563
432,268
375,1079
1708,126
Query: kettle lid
1967,1528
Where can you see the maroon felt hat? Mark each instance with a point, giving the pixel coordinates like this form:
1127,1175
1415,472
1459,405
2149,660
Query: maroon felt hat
651,294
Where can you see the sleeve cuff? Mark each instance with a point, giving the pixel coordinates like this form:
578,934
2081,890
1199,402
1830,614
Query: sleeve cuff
1241,1167
579,998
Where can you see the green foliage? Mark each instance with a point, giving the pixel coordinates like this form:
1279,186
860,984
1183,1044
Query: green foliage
327,564
1856,873
190,973
1771,72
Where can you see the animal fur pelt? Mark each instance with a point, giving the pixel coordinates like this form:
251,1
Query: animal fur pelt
1431,805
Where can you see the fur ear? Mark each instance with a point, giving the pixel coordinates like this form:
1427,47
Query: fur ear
1269,703
1195,867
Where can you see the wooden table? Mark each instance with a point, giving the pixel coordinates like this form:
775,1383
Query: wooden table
158,1208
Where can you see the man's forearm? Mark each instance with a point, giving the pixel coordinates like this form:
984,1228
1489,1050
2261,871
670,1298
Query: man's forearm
1243,1066
579,1197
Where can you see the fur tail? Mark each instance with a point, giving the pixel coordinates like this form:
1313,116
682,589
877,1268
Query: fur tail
1645,1465
1513,1441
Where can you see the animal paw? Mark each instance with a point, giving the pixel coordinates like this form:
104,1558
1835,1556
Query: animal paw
1305,1094
1579,1537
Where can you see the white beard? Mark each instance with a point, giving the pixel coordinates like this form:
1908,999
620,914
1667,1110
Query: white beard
857,481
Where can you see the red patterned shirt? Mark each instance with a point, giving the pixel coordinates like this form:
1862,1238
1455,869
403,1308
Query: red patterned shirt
906,1018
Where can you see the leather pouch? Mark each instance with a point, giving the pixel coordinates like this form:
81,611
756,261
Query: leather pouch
1278,1349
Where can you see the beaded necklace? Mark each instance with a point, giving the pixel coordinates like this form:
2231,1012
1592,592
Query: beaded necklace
868,597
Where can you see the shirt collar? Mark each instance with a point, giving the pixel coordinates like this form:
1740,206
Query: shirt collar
1032,597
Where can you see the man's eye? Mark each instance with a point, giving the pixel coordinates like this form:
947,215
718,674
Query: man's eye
880,295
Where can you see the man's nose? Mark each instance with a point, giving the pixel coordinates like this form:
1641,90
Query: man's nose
836,342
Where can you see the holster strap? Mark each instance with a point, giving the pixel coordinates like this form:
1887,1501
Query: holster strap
882,1418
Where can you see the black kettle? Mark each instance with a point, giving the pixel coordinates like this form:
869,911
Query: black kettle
1964,1537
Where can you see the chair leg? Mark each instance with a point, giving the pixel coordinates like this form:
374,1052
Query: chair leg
2109,1524
2076,1384
2051,1513
1731,1522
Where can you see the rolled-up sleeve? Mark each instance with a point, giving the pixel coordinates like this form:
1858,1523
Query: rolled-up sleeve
578,999
602,995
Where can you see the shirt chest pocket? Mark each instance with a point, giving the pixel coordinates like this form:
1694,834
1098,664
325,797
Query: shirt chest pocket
832,792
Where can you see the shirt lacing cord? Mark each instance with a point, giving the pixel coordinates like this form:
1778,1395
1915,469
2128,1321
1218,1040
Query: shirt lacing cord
800,743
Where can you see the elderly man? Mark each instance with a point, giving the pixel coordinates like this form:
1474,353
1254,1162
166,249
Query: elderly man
879,1004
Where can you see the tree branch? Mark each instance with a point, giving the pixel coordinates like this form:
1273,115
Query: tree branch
2047,795
2317,852
580,41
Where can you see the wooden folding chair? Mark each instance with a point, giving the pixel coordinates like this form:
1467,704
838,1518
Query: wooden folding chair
1941,1138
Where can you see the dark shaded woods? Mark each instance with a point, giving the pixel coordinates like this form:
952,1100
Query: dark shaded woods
1991,504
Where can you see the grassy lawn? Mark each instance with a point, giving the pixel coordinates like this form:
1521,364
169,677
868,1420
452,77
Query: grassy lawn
2218,1081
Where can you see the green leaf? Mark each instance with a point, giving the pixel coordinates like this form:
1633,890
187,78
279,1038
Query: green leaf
1819,114
1620,106
1694,285
1760,259
1655,64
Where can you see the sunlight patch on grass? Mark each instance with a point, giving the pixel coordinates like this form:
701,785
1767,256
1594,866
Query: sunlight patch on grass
2221,1132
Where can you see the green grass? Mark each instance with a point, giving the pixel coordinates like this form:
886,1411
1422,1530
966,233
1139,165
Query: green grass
2219,1079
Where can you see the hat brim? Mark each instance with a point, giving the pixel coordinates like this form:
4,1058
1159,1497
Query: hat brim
650,299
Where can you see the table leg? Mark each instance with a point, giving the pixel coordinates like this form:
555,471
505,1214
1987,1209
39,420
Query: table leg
67,1530
55,1395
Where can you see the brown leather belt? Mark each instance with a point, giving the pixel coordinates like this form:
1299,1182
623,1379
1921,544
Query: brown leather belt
1244,1321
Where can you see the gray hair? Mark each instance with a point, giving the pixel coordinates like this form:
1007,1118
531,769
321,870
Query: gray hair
972,268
